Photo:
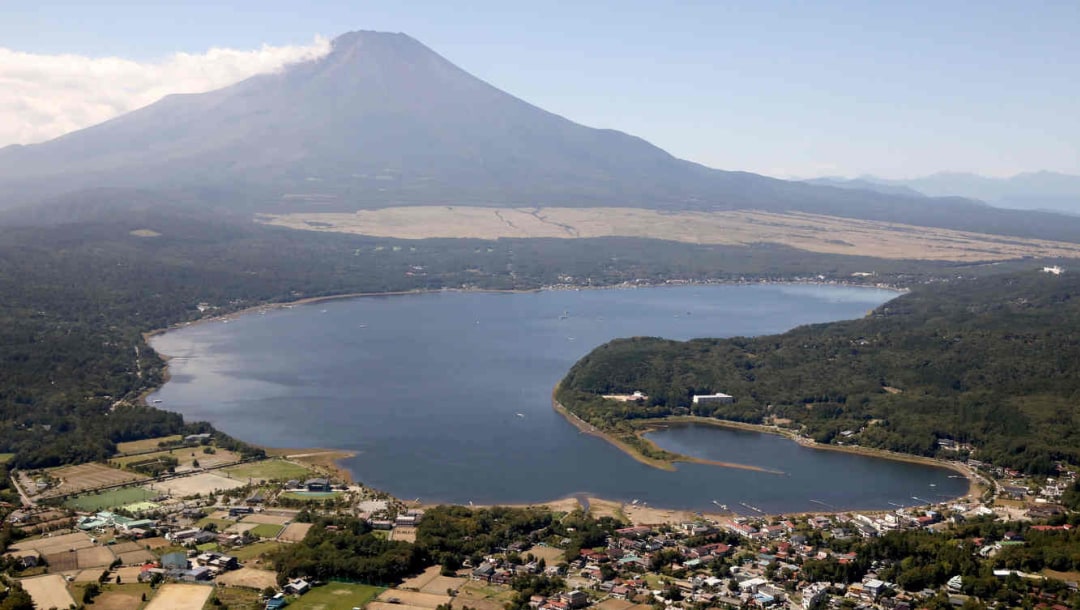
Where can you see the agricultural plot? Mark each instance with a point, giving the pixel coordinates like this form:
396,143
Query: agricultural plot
403,534
113,498
180,597
185,457
266,530
264,518
75,479
135,558
48,591
123,596
258,549
432,581
414,598
249,577
55,544
337,595
145,444
268,470
202,483
549,554
6,457
295,532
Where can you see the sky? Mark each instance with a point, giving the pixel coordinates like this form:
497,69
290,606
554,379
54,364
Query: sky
788,89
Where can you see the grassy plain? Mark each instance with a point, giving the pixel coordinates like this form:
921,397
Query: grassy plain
810,232
269,470
145,444
266,530
254,550
336,595
109,499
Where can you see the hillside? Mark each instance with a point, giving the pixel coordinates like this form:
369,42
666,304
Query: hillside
988,362
384,121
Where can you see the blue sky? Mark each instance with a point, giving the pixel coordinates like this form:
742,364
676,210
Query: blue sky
782,88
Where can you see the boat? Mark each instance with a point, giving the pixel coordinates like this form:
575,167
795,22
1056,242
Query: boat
157,401
520,414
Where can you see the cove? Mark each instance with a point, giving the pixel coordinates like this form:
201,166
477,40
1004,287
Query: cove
447,396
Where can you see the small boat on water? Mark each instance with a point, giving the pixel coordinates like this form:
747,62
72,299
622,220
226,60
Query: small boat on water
520,414
157,401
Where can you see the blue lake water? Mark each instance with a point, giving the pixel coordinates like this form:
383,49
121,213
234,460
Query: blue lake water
447,396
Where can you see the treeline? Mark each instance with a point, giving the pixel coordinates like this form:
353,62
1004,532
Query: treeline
988,362
346,548
78,297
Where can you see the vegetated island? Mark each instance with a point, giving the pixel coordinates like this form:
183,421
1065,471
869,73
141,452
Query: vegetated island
967,369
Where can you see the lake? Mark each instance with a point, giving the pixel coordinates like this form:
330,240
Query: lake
447,396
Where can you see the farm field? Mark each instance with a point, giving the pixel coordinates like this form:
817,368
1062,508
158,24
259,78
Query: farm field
48,591
55,544
145,444
549,554
432,581
109,499
125,596
239,598
180,597
249,577
315,496
295,532
252,551
268,470
186,456
266,530
336,595
202,483
75,479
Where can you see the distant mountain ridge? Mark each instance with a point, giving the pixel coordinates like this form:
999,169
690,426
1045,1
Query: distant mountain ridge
384,121
1030,191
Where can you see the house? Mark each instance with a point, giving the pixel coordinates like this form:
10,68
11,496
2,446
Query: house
713,399
297,586
256,498
197,438
576,599
317,484
483,572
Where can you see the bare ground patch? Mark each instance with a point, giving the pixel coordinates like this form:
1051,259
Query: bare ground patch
48,591
264,518
132,558
75,479
203,483
414,598
811,232
180,597
55,544
250,578
294,532
403,534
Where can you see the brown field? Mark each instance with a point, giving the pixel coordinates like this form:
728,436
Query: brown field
63,562
240,528
89,575
186,456
389,606
415,598
145,444
403,534
121,597
79,478
180,597
549,554
127,575
94,557
614,604
133,558
294,532
249,577
48,591
154,543
55,544
418,582
126,547
203,483
811,232
264,518
482,597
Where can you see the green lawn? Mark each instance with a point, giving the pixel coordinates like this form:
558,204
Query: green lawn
266,530
336,595
110,499
277,470
311,496
6,457
254,550
220,523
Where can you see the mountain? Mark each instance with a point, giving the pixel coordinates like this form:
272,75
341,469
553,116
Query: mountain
383,121
1028,191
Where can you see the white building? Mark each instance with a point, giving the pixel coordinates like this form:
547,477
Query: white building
718,398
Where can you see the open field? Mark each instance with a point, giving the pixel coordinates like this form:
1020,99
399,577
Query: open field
294,532
202,483
88,476
128,574
109,499
481,597
311,496
186,456
94,557
811,232
421,580
265,518
180,597
239,598
48,591
268,470
254,550
54,544
249,577
6,457
266,530
415,598
122,597
336,595
403,534
131,558
549,554
145,444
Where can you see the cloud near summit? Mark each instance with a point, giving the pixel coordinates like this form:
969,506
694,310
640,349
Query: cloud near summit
45,96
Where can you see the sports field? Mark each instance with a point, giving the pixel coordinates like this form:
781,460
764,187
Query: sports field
268,470
75,479
336,595
266,530
109,499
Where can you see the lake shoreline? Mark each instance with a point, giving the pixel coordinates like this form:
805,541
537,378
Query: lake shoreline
974,489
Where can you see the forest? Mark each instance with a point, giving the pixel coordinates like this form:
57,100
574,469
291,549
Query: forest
988,363
82,285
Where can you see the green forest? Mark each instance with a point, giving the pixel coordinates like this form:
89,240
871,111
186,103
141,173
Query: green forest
82,285
989,362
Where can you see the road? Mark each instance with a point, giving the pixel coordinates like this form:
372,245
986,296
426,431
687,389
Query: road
26,501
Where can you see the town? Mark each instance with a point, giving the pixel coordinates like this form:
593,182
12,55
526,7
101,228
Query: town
212,530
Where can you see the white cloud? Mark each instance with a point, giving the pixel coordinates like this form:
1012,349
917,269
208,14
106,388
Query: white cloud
45,96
